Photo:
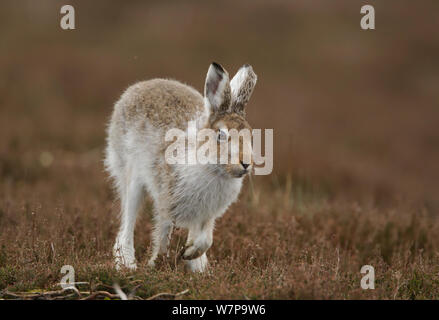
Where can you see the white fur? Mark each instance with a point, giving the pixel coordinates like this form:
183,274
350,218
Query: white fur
202,193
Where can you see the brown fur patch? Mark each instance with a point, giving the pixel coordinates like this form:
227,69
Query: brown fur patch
165,103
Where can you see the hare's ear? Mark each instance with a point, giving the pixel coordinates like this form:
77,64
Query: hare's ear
242,86
217,91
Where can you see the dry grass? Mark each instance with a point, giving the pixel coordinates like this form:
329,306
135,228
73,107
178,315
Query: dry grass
277,242
356,147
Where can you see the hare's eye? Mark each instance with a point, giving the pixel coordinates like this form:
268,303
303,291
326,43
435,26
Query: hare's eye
222,136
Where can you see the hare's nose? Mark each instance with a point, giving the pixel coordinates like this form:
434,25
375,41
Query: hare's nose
245,165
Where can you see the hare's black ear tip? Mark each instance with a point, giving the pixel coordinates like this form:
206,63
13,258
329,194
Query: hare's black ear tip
217,66
246,66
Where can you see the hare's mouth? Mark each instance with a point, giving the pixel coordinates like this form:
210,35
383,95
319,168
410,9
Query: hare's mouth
241,174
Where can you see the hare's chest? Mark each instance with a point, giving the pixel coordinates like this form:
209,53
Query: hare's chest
200,196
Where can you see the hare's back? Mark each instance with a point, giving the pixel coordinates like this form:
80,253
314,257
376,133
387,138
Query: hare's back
165,103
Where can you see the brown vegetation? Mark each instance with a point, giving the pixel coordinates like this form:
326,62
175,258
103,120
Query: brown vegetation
356,145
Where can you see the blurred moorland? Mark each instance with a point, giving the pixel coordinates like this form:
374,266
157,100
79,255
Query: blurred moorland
356,160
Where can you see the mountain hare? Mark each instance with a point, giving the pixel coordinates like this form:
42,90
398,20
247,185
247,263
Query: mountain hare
189,196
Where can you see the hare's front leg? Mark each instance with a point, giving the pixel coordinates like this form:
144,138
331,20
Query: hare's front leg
199,264
199,240
131,196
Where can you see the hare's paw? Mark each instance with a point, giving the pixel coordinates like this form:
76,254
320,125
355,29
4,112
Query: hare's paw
192,252
124,258
151,263
197,248
121,263
197,265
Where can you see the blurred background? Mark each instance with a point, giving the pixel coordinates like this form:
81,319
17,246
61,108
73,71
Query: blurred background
353,111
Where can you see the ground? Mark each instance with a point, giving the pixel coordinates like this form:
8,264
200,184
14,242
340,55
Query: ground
277,242
356,152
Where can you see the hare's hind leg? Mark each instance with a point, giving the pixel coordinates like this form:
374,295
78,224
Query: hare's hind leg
131,194
161,237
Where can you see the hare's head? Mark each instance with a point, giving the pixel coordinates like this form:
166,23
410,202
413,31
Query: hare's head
226,99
